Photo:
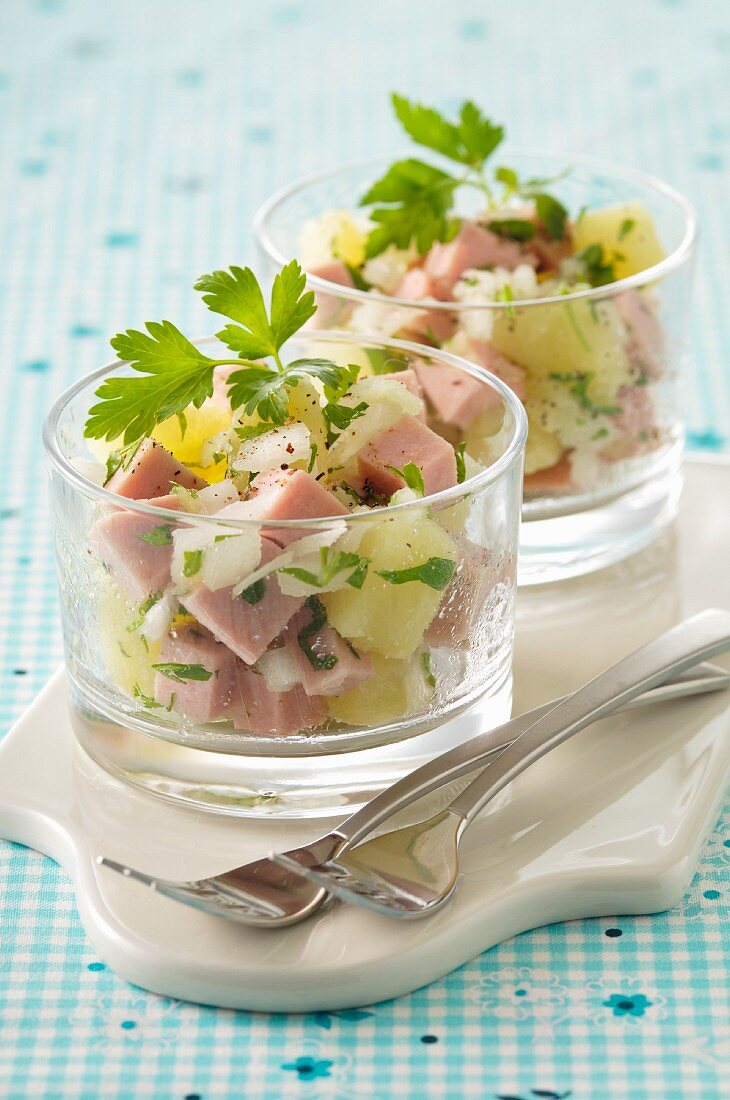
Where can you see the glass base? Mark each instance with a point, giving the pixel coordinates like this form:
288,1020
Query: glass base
265,786
558,547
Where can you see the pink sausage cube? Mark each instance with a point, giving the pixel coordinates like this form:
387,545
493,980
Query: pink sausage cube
203,700
329,666
292,494
408,440
512,374
645,342
464,599
249,622
473,247
255,708
332,310
151,473
122,540
456,397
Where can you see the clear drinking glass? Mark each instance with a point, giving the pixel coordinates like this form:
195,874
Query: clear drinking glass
433,660
602,468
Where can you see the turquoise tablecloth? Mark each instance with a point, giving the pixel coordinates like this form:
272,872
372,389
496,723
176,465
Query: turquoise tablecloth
137,137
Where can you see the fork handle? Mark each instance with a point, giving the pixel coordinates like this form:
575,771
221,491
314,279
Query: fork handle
671,653
702,636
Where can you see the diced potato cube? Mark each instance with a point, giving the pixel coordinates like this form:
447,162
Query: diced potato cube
186,445
627,233
580,337
386,618
543,449
127,656
395,690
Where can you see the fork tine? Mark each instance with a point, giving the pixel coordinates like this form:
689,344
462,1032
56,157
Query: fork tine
371,893
205,894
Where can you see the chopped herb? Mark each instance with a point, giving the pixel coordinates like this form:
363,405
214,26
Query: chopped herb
252,431
142,610
120,459
579,383
255,592
312,456
222,538
386,362
319,661
643,437
436,573
171,703
332,562
460,462
341,416
145,700
357,280
505,294
412,476
625,228
428,674
192,561
600,434
123,651
582,338
158,536
515,229
552,214
182,672
581,214
598,270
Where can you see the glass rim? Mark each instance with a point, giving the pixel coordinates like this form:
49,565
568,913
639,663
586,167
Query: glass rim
670,263
485,477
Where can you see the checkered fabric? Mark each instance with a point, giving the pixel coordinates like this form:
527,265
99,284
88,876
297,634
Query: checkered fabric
137,137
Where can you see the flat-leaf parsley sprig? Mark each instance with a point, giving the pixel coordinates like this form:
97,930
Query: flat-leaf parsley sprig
173,373
413,201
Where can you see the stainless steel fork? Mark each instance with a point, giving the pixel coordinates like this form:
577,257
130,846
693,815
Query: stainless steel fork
413,871
272,892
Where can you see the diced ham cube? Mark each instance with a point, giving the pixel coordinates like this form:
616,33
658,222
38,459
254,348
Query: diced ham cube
512,374
292,494
553,479
255,708
332,310
220,384
121,539
151,473
246,625
432,326
639,432
645,342
342,667
457,398
416,283
203,700
464,599
408,440
473,247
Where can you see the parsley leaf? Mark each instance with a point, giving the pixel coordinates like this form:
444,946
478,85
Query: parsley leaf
460,462
255,592
418,197
145,700
515,229
469,141
158,536
192,561
436,573
182,672
319,619
237,294
177,374
258,389
427,673
412,476
552,214
625,228
579,383
599,270
332,562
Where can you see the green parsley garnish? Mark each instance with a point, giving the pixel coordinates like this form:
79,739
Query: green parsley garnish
319,619
145,700
427,673
413,201
412,476
158,536
599,270
332,562
579,383
192,561
505,294
436,573
172,373
515,229
255,592
625,228
460,462
142,610
182,672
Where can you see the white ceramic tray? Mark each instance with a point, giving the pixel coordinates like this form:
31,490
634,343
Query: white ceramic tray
611,822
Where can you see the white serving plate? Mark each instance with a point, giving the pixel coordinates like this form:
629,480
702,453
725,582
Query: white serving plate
612,822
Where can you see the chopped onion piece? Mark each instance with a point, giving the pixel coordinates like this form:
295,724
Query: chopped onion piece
214,497
156,622
296,551
226,555
88,468
279,669
279,447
